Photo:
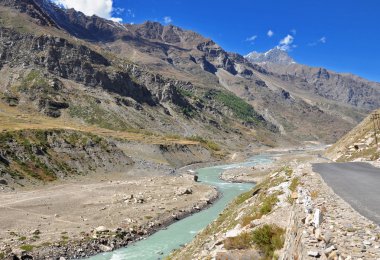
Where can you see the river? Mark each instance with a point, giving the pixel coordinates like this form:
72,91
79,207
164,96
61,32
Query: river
163,242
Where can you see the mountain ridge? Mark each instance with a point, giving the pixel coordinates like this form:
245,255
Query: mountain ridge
201,65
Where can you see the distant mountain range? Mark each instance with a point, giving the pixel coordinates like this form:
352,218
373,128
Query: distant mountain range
169,80
275,55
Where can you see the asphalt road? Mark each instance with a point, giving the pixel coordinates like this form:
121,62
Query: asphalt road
357,183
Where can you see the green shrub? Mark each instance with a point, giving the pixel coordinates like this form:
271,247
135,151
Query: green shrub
268,204
27,248
268,238
294,184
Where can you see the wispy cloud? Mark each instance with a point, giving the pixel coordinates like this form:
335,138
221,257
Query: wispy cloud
270,33
293,31
101,8
286,43
252,38
321,40
168,19
131,13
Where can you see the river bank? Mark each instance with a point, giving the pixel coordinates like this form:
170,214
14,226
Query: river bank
163,242
291,214
79,219
134,215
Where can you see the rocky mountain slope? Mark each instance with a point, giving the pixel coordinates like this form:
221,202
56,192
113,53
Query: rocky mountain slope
163,79
359,143
319,82
47,69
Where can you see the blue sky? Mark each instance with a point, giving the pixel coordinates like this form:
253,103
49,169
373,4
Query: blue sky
340,35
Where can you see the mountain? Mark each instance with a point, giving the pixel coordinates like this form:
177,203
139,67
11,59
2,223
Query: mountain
359,143
275,55
344,88
164,80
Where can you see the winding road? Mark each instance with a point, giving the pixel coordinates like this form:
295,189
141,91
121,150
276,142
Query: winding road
357,183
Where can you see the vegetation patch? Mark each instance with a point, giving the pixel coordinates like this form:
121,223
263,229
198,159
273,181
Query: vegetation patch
238,106
268,238
247,219
268,204
27,248
288,170
93,113
242,241
294,184
22,238
185,92
207,143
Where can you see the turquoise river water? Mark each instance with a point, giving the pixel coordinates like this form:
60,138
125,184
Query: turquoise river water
163,242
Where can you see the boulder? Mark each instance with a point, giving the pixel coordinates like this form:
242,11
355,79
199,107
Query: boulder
35,232
318,234
329,250
105,248
184,191
313,253
317,219
101,229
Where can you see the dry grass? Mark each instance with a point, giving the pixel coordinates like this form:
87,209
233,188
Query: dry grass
243,241
12,119
340,148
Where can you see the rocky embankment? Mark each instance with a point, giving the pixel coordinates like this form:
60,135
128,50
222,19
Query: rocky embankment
291,214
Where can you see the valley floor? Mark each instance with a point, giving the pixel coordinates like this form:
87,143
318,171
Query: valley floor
98,213
82,210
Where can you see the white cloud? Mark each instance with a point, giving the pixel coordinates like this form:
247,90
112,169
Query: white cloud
270,33
168,19
287,40
131,13
293,31
101,8
286,43
323,39
251,39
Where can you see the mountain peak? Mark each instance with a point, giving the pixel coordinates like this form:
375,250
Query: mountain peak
275,55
